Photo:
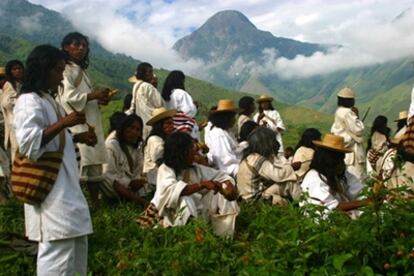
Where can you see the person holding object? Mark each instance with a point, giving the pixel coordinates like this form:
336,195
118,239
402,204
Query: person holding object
270,118
77,94
62,221
348,125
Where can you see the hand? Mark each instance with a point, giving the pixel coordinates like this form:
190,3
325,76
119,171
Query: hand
137,184
74,118
88,137
355,110
261,116
102,95
228,190
210,185
296,165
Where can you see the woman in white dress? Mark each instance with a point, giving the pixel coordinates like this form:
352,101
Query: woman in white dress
176,97
123,171
305,150
225,153
61,223
186,189
270,118
328,183
11,88
162,126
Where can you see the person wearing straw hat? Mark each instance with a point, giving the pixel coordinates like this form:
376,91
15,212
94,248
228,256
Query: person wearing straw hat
269,117
348,125
401,123
224,153
145,97
162,126
78,95
328,182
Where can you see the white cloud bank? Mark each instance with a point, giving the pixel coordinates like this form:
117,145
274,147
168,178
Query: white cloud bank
147,30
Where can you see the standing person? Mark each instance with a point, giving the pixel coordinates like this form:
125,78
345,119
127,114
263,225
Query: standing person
77,94
378,142
305,150
225,153
145,97
328,182
5,189
348,125
11,88
61,223
123,171
248,107
270,118
185,189
162,126
176,97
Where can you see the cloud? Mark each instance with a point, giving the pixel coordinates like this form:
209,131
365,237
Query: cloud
147,30
32,23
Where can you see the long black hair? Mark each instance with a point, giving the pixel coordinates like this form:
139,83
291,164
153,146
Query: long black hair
262,141
142,69
177,148
246,104
76,37
40,61
9,76
346,102
174,80
245,130
379,125
124,123
308,136
325,162
223,120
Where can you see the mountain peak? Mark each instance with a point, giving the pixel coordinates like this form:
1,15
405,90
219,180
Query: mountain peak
229,20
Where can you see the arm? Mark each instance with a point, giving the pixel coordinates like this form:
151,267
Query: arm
277,172
186,104
353,124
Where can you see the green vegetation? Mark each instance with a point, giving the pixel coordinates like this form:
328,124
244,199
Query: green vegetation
268,241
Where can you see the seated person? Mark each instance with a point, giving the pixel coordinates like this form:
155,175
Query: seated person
122,172
185,189
328,183
264,175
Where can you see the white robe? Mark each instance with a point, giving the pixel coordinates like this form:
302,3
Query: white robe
411,108
225,153
8,100
153,151
76,95
118,169
145,98
273,121
64,213
351,128
176,210
320,194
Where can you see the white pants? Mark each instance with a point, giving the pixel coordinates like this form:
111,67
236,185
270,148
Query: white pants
63,257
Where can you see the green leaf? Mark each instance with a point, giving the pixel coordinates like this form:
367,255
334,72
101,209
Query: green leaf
339,260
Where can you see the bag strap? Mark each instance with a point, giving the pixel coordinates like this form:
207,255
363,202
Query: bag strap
62,140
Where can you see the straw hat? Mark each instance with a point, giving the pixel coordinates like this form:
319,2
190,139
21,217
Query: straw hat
159,114
132,79
403,115
332,142
2,71
346,93
264,98
226,106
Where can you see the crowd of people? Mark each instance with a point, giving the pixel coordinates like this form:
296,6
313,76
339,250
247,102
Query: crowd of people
156,156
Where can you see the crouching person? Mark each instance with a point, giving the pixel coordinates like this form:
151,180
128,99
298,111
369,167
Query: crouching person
262,174
123,171
185,189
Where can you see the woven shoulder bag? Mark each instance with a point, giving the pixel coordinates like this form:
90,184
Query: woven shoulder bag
32,181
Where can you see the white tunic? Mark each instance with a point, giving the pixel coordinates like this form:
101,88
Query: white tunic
8,100
411,109
145,98
117,168
153,151
176,209
241,120
319,192
76,93
224,153
64,213
351,128
273,121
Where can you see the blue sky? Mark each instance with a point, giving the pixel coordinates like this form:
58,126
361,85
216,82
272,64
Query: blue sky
147,29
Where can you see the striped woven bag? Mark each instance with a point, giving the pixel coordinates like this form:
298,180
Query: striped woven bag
408,138
32,181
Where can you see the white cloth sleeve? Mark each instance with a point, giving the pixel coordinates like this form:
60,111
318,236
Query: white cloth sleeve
75,96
